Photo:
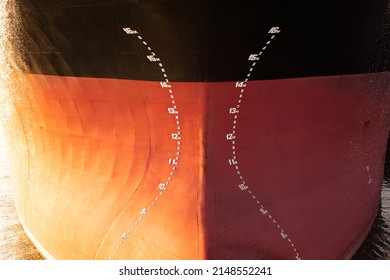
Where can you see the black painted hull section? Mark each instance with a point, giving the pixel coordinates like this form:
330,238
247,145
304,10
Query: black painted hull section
203,40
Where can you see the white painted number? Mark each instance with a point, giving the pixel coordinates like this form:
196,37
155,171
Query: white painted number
230,136
176,136
152,58
173,161
253,57
233,111
162,186
243,187
232,161
263,211
274,30
129,31
172,111
143,211
240,85
165,85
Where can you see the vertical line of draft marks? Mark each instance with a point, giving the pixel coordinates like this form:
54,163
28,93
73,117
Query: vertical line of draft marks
173,161
241,85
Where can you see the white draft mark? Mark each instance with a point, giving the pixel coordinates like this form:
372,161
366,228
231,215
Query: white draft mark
243,186
173,161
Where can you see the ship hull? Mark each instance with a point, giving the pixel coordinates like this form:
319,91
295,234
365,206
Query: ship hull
150,131
90,154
